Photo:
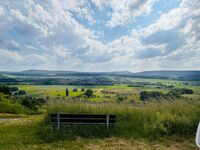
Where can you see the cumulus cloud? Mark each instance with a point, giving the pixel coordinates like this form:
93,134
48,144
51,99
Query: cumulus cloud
171,38
127,10
64,34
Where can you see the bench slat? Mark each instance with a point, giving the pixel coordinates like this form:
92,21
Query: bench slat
83,115
83,121
83,118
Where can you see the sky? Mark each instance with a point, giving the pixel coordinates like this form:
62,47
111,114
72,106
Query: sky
100,35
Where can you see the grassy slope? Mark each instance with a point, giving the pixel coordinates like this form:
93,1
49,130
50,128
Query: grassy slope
25,134
11,106
151,120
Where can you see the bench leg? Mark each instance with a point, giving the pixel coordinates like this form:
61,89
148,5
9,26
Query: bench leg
107,121
58,121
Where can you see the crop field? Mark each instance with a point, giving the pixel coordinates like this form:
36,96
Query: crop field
108,93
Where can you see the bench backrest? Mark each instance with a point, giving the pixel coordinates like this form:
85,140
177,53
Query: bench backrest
82,119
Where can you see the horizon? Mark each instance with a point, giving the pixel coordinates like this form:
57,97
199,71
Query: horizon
102,71
102,36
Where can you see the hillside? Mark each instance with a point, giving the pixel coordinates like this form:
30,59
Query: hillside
172,74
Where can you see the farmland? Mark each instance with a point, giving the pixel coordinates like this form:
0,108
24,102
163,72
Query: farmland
109,93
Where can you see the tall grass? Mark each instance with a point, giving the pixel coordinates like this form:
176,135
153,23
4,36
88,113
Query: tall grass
7,105
150,121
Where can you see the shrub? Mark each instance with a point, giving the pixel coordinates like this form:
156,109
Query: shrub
32,103
5,90
88,93
22,92
148,95
13,89
7,105
183,90
120,99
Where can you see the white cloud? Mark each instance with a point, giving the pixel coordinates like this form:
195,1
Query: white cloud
47,34
10,55
1,11
127,10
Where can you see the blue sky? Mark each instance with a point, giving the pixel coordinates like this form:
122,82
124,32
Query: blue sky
100,35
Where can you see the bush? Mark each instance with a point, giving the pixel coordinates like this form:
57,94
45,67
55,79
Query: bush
13,89
9,90
5,90
88,93
183,91
7,105
173,95
32,103
120,99
148,95
22,92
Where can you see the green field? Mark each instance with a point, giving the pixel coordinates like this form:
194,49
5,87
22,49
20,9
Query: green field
132,93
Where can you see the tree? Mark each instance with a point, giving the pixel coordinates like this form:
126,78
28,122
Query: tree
88,93
67,92
120,99
14,89
5,90
22,92
32,103
183,90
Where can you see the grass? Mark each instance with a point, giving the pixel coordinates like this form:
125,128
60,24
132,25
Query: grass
26,134
152,125
8,105
49,90
132,93
148,126
148,121
6,115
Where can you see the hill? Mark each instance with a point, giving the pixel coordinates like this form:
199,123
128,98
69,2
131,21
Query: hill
165,74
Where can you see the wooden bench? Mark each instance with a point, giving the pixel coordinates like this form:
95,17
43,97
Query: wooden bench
82,119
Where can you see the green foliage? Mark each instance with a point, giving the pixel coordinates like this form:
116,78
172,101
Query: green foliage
149,95
88,93
13,89
22,92
5,90
9,90
7,105
183,90
120,98
172,94
32,103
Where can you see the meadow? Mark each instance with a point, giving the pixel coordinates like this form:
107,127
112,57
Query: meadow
110,92
154,124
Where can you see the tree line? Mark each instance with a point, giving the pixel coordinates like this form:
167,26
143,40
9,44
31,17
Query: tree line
172,94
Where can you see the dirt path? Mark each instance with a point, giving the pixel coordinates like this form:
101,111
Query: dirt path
8,119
